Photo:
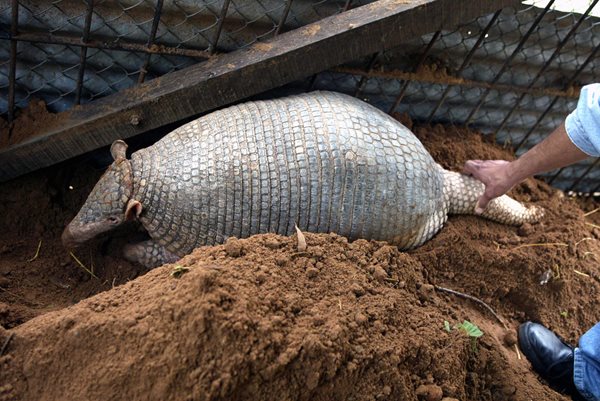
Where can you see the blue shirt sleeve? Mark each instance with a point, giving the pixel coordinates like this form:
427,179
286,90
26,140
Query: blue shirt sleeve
583,124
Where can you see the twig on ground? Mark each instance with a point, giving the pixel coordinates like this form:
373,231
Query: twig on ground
37,252
518,353
583,240
472,298
91,261
13,294
556,275
586,254
592,225
581,273
83,266
541,244
5,345
592,212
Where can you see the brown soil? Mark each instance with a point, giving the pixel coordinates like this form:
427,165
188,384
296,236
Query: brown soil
31,121
256,319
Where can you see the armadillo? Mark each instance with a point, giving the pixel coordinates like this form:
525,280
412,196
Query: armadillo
323,161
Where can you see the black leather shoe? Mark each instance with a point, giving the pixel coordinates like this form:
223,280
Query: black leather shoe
550,357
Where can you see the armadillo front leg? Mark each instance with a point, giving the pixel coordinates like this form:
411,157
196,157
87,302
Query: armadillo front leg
149,254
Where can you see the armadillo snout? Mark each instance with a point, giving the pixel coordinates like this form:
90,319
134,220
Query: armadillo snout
76,234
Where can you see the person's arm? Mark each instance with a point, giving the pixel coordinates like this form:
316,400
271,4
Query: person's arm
499,176
574,140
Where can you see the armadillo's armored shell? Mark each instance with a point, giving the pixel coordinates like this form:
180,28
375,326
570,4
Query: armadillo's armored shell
326,161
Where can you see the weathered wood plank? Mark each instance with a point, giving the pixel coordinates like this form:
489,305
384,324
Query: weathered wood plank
230,77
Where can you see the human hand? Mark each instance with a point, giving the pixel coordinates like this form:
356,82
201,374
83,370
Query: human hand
495,175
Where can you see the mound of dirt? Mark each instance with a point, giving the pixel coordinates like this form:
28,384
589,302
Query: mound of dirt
31,121
256,319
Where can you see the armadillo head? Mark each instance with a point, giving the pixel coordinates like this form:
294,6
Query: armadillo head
108,205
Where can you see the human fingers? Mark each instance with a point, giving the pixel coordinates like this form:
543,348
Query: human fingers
482,203
471,167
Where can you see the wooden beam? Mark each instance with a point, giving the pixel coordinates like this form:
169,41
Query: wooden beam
230,77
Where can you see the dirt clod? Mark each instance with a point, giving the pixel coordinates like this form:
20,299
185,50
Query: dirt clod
429,392
525,230
233,247
312,272
426,292
31,121
510,338
379,273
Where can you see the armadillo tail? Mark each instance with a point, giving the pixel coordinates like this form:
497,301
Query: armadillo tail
461,193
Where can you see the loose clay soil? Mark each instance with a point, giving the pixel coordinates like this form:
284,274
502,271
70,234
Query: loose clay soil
33,120
257,319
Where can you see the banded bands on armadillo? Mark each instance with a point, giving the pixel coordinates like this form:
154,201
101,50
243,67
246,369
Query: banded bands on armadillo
323,160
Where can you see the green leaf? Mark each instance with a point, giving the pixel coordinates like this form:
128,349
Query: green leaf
471,329
178,271
447,326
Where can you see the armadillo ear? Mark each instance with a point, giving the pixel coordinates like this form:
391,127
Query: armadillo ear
133,210
118,149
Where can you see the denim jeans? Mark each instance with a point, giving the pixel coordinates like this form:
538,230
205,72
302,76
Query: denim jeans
586,373
583,124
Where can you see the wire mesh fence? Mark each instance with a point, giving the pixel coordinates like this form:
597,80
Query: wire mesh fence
515,73
69,52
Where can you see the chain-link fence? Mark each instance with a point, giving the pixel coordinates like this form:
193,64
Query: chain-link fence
70,52
514,73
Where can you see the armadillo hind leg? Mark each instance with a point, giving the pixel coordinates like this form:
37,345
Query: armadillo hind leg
148,253
461,193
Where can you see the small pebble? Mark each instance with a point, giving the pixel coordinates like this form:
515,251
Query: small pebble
312,272
514,240
509,390
426,292
525,230
233,247
272,243
361,318
66,323
357,289
379,274
510,338
261,278
430,392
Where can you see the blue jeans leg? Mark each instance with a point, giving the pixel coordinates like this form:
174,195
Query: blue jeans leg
586,371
